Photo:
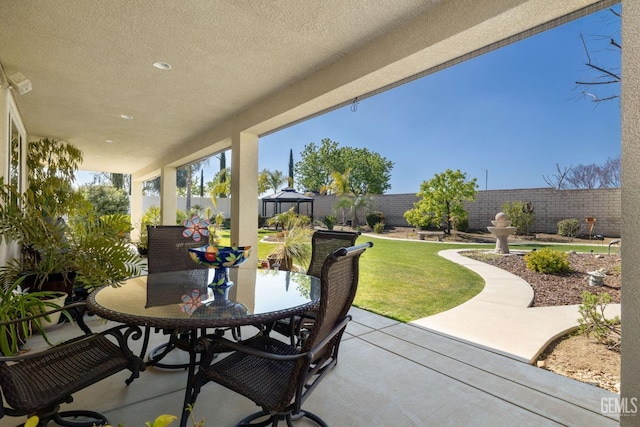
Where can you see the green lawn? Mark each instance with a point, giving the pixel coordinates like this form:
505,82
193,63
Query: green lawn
406,279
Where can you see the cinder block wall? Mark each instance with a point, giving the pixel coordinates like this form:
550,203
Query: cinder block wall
550,207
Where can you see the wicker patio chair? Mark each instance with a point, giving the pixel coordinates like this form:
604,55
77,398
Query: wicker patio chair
168,250
37,383
323,243
275,375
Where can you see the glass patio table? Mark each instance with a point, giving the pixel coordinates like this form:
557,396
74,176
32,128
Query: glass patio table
182,302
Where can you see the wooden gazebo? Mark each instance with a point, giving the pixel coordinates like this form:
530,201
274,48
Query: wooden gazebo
284,200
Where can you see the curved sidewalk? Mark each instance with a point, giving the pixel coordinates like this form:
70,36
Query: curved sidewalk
499,317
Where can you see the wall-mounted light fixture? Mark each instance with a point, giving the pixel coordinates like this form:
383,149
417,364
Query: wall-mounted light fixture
21,82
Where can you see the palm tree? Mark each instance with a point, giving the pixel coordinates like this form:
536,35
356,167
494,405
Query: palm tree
220,186
263,181
340,186
184,178
354,204
270,180
276,179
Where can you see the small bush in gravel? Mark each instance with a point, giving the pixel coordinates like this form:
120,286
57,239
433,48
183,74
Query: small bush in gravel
569,227
593,321
374,218
378,227
547,261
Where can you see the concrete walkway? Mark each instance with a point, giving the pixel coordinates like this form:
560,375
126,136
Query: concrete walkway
499,317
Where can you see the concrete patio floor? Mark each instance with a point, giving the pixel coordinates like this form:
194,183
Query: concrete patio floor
389,374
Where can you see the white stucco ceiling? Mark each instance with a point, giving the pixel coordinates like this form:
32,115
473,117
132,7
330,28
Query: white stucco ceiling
237,65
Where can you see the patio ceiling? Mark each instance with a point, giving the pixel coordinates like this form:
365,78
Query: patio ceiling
240,65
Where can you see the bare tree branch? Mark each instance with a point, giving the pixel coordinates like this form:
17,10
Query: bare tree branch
605,75
557,181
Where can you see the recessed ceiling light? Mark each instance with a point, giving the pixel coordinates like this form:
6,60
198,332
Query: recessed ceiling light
162,65
108,140
126,116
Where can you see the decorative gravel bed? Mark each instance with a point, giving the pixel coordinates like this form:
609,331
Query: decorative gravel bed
560,289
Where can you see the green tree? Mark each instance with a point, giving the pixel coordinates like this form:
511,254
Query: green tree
314,170
151,187
263,181
220,186
369,172
117,180
106,200
521,214
290,180
442,199
222,175
185,181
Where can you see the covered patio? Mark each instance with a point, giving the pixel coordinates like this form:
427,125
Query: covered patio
388,374
227,73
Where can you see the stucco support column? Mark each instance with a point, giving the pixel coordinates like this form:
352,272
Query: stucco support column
630,383
136,209
244,193
168,199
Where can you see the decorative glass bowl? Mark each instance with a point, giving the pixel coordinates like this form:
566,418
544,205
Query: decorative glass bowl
220,258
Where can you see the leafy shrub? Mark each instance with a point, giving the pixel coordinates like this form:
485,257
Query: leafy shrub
569,227
374,217
419,218
329,221
287,220
106,200
606,331
547,261
150,217
521,215
378,227
462,224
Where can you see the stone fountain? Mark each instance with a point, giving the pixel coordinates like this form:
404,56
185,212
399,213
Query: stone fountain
501,229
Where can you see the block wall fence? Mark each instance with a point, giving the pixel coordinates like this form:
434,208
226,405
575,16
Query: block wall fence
550,207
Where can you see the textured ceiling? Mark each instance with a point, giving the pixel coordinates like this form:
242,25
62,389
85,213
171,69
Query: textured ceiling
259,63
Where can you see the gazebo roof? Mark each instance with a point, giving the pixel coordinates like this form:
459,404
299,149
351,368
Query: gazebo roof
288,194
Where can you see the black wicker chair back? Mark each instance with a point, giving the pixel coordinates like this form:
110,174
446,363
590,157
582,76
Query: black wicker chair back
276,375
325,242
169,249
37,383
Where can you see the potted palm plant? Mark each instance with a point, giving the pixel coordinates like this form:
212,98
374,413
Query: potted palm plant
62,240
18,303
294,246
216,224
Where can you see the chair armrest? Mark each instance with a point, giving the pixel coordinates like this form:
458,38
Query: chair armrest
51,350
331,335
120,337
241,347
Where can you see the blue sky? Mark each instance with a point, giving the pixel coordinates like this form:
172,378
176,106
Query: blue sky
505,118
